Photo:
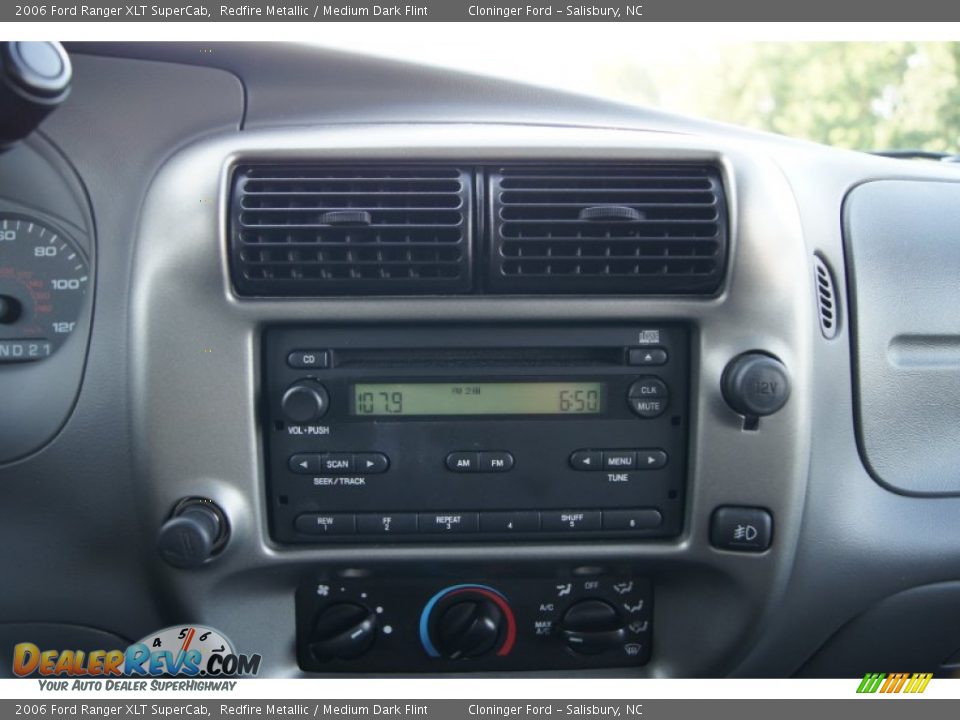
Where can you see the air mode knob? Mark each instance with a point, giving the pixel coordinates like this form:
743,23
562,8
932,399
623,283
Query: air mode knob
755,384
590,627
342,631
305,401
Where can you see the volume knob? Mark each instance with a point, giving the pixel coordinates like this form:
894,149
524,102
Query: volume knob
305,401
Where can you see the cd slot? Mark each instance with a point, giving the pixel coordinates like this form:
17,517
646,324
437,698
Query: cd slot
480,357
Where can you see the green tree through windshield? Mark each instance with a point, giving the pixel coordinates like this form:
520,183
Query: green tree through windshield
860,95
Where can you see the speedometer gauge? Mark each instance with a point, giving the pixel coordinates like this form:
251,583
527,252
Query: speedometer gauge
44,277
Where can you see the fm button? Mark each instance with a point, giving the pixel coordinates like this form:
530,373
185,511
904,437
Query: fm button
648,397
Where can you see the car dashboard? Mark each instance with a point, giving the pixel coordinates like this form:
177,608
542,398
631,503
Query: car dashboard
386,369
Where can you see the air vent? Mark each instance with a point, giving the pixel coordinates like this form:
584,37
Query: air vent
336,230
826,298
611,229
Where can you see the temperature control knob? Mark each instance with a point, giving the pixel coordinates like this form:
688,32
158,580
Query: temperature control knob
469,628
305,401
467,621
590,627
342,631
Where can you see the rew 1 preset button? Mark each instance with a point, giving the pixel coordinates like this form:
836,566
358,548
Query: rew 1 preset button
326,524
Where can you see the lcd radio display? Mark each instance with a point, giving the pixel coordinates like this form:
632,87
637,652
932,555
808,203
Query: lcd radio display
479,398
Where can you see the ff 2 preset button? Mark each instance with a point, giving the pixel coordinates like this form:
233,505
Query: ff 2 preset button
742,529
387,524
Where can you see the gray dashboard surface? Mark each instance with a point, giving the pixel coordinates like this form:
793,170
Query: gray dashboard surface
84,511
904,253
73,546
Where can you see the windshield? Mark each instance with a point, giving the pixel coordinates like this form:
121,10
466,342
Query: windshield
857,95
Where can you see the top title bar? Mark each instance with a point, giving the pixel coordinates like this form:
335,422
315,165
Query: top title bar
469,10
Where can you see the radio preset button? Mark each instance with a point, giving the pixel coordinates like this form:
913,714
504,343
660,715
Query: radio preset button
387,524
644,519
463,462
309,359
336,463
509,522
647,356
326,524
586,460
569,520
370,463
495,461
619,459
651,459
452,522
304,463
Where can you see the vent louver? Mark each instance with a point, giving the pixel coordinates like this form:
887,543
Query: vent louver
299,230
826,298
607,229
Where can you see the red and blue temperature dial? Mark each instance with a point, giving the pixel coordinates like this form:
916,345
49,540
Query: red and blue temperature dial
467,621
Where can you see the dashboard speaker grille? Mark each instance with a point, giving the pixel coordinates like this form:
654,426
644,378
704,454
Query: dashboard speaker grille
608,229
311,230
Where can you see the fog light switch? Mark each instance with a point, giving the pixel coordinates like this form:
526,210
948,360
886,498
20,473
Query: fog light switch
741,529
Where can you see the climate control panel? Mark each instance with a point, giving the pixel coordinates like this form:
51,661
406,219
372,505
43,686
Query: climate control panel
430,625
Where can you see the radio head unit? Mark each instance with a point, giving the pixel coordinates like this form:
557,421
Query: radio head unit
484,433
